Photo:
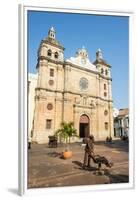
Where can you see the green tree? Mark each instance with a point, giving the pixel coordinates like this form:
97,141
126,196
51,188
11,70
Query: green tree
66,131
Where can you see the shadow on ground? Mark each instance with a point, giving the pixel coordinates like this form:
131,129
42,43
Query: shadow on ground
120,145
116,178
80,166
113,178
54,154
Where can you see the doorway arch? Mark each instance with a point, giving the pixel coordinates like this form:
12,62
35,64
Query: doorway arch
84,126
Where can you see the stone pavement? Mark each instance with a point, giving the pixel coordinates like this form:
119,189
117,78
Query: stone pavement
47,169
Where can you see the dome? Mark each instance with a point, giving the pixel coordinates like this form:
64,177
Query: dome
52,29
52,33
99,50
82,52
99,54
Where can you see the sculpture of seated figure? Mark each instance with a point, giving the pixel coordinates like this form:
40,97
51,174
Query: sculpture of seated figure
101,160
89,154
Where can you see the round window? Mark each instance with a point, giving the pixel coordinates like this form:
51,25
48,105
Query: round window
83,83
49,106
51,82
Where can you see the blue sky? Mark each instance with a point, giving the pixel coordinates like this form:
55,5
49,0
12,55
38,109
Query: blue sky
109,33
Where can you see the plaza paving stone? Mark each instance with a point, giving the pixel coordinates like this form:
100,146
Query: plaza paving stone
47,169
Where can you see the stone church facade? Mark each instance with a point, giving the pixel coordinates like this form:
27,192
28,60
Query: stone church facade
72,90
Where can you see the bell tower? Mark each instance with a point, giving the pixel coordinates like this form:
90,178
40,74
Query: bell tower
52,33
50,58
48,93
105,94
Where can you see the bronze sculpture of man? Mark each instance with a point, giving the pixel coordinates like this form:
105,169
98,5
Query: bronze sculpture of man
89,151
89,154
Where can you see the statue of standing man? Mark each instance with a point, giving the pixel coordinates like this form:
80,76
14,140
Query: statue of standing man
89,151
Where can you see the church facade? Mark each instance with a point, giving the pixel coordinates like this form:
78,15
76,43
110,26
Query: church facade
72,90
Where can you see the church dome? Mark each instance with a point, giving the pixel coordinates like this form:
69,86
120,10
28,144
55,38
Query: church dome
51,38
52,29
82,52
99,58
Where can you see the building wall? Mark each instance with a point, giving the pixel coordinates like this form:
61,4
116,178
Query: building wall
121,126
70,105
73,90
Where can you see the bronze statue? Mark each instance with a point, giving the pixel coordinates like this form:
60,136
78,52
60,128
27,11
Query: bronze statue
89,150
89,154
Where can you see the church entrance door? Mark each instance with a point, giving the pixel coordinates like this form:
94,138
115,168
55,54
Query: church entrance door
84,126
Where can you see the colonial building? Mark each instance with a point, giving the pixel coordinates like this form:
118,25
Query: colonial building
121,123
72,90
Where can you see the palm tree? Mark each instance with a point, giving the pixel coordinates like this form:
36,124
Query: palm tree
66,131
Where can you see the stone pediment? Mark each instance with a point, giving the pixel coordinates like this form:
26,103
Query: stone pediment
82,60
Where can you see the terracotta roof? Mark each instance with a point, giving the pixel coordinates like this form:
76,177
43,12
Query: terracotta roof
123,112
53,41
101,61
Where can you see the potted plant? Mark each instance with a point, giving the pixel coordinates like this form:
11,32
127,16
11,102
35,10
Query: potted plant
65,133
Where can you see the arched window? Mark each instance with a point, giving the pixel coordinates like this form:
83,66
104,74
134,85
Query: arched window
106,72
49,52
56,54
102,71
106,125
51,72
105,94
48,123
104,86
